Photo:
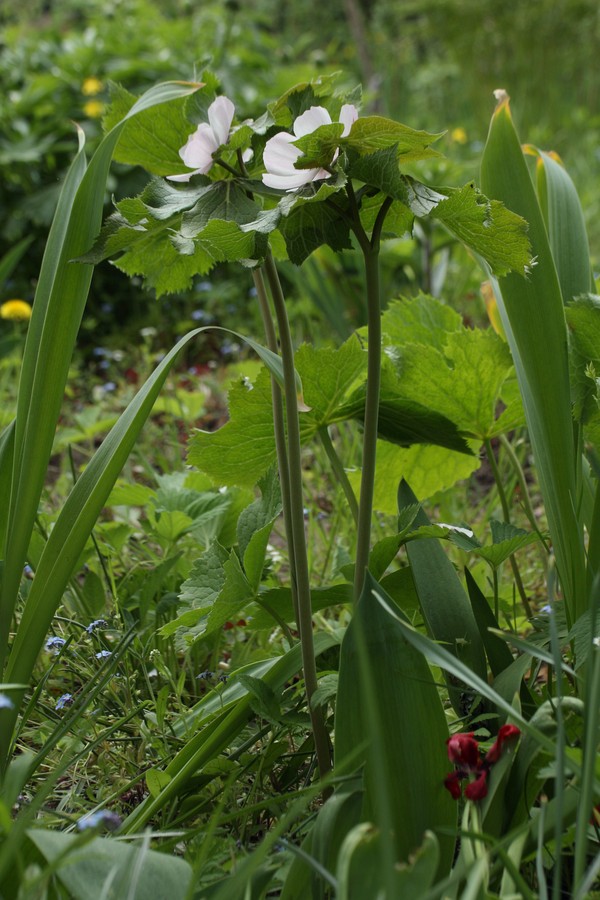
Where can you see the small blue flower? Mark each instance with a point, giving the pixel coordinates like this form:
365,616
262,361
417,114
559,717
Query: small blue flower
546,609
103,817
28,572
6,702
204,286
64,701
103,654
55,643
97,623
109,386
199,315
100,351
205,676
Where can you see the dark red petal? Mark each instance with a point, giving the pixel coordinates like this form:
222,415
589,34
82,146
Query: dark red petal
452,784
477,789
505,733
463,750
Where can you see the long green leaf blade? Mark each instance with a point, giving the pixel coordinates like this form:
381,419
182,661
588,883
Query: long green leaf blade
57,310
533,317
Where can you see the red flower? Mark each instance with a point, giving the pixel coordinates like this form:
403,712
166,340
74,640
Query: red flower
452,784
463,750
477,790
505,733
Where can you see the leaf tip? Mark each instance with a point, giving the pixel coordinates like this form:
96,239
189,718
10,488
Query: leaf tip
502,102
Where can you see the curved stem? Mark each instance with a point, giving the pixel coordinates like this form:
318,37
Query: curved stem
321,737
339,471
279,428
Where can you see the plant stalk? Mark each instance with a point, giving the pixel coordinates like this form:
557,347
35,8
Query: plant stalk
369,450
294,451
279,428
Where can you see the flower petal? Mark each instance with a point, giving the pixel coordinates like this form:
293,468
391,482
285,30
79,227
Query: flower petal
348,116
198,152
310,120
452,784
280,154
477,789
220,117
463,750
300,178
505,733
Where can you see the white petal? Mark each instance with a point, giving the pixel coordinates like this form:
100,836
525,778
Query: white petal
280,154
185,177
348,116
310,120
220,116
197,153
291,182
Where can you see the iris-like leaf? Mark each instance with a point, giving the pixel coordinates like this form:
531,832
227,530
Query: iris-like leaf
388,698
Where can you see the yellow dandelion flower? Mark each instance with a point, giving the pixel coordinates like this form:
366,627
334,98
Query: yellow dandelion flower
16,310
91,87
459,135
93,109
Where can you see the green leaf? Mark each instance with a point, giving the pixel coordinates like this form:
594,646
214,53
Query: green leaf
156,781
451,622
387,698
403,420
280,600
224,200
328,378
583,319
381,170
154,139
419,320
429,469
255,525
242,450
463,383
488,228
262,698
566,226
105,865
506,540
533,317
200,590
371,133
309,226
319,146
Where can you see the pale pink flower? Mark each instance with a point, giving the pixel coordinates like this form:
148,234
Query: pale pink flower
198,152
280,154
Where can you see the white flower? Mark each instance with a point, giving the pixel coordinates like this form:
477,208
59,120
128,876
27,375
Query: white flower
197,153
280,154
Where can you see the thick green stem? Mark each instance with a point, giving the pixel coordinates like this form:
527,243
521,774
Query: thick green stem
367,483
339,471
506,512
279,428
294,450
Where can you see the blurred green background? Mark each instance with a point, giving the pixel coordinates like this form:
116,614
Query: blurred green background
432,64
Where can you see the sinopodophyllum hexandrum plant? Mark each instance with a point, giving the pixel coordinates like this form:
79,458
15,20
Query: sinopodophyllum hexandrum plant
331,177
